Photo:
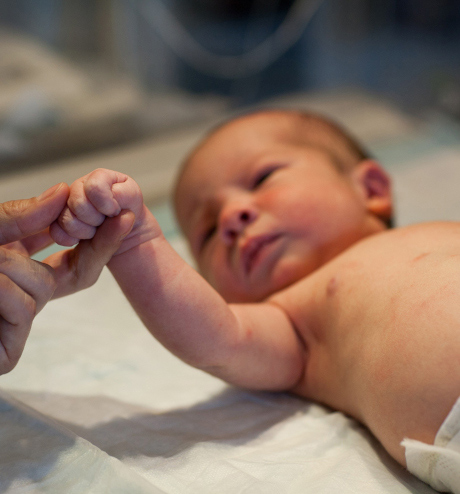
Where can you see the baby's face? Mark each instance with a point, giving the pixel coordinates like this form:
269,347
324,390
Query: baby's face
261,212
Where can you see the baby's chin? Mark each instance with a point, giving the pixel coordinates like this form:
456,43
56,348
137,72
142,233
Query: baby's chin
262,291
242,295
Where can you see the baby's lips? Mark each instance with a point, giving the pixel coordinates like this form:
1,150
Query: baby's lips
252,247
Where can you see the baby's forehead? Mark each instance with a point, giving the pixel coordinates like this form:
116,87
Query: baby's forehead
239,138
235,143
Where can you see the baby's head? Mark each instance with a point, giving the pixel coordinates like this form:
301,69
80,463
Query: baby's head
269,197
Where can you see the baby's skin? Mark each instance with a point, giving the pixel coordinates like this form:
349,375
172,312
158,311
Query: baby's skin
316,296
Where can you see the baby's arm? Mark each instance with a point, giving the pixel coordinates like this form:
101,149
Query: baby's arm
250,345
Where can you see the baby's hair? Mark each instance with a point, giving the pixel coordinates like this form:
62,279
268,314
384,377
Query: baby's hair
318,130
308,128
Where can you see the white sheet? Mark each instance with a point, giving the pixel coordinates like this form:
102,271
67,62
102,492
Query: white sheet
121,414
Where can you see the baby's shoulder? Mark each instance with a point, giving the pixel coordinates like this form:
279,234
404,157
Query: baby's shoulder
441,227
379,257
430,235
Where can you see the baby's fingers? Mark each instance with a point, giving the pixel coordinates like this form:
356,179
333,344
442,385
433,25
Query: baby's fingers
98,189
81,206
80,267
60,237
72,227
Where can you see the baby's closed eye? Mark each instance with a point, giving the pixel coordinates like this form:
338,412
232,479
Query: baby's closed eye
207,235
264,174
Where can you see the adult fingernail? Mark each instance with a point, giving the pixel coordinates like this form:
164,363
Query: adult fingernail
50,192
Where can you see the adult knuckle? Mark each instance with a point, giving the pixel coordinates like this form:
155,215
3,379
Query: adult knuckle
8,363
4,256
11,209
10,214
25,312
48,279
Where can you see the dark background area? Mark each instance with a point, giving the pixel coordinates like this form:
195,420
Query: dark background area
407,51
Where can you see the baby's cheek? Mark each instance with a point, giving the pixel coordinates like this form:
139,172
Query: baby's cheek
74,227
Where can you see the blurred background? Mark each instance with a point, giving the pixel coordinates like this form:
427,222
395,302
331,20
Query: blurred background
86,75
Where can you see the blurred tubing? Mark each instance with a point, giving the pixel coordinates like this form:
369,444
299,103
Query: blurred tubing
247,64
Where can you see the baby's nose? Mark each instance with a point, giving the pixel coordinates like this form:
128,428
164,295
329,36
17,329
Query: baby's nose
234,220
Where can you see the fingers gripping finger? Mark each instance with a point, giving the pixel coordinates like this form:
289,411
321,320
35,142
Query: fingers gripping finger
60,236
95,254
75,227
81,206
26,217
80,268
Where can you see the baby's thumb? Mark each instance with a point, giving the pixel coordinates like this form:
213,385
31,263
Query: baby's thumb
108,238
79,268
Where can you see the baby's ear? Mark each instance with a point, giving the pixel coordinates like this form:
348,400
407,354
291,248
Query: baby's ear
375,184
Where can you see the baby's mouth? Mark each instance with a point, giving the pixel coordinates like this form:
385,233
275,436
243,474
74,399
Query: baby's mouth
253,250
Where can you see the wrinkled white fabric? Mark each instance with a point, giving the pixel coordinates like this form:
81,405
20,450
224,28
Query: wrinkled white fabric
438,464
39,456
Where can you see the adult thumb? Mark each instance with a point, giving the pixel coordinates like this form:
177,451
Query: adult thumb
25,217
79,268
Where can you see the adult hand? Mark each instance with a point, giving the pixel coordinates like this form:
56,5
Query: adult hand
27,285
79,268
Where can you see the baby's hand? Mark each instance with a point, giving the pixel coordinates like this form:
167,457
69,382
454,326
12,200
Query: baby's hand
96,196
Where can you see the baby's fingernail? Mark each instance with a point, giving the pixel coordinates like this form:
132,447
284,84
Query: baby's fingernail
51,191
128,218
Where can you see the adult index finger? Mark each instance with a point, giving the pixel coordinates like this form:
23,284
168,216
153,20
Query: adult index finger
24,217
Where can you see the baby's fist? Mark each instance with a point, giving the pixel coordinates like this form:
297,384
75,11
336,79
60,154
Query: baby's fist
100,194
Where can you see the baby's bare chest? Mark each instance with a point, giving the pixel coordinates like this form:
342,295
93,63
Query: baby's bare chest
381,321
